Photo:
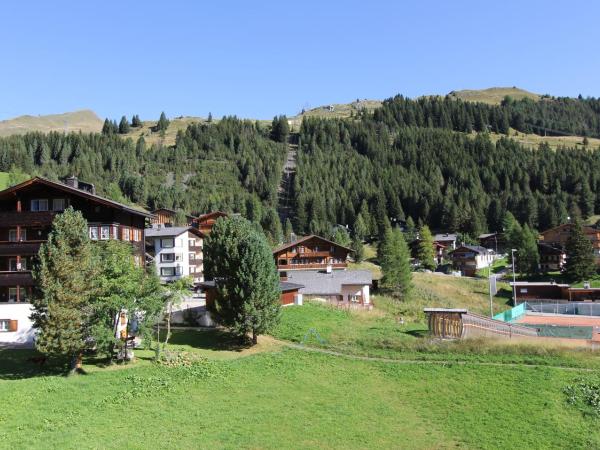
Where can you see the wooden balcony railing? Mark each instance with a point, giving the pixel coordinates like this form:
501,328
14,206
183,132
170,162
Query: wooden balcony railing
322,266
22,248
27,218
21,278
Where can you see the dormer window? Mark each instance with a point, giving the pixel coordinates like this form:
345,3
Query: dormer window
39,204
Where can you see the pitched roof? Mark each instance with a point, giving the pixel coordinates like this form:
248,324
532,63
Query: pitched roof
163,231
306,238
444,237
474,248
322,283
205,216
79,192
171,211
284,286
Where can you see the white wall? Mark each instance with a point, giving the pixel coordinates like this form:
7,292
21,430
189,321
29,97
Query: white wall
20,312
182,259
350,289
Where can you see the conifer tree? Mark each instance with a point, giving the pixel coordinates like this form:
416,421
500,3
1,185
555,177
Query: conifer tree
580,254
210,118
288,230
395,263
123,126
425,251
163,122
136,122
239,258
528,258
65,277
359,250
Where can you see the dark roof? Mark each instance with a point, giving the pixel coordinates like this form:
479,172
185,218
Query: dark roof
474,248
444,237
549,248
487,235
284,286
304,239
211,214
72,190
172,212
322,283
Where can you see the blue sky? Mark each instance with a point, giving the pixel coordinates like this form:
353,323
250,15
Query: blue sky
261,58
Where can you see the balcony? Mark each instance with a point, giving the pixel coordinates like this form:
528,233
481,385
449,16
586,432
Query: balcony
21,278
312,266
22,248
27,218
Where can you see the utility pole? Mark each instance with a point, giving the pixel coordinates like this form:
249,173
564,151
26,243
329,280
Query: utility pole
512,251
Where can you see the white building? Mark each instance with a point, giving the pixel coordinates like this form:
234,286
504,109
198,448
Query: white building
176,252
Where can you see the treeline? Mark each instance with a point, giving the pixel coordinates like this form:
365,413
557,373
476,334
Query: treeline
232,165
548,116
363,171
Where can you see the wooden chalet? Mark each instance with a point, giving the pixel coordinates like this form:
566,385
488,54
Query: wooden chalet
289,293
206,221
559,235
469,258
311,252
26,214
166,216
439,250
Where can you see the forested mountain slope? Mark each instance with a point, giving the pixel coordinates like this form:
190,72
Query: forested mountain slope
430,160
230,165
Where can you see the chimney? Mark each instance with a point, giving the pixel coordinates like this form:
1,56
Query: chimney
72,181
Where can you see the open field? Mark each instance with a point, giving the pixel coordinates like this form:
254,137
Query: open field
534,140
86,121
492,96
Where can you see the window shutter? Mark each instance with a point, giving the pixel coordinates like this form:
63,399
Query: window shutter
13,325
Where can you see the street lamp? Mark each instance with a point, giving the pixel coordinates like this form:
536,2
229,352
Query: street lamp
512,252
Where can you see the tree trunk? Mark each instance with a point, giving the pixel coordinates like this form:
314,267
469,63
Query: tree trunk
169,312
76,364
254,337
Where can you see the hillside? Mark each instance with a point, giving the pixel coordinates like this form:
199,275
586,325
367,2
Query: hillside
336,110
85,120
492,96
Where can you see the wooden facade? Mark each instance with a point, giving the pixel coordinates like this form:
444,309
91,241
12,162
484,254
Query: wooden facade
289,293
311,253
559,235
26,214
166,216
205,222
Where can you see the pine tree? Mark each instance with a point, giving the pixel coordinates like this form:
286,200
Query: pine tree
163,123
288,230
240,260
123,126
210,118
65,277
528,258
395,263
341,237
580,254
280,129
359,250
360,228
136,122
425,251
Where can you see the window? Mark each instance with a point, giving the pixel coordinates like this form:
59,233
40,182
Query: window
12,295
114,232
58,204
167,257
192,242
94,233
167,243
125,233
167,271
4,325
192,256
193,269
39,204
13,266
104,232
12,235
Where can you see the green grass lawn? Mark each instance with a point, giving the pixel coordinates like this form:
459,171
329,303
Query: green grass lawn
289,398
426,394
